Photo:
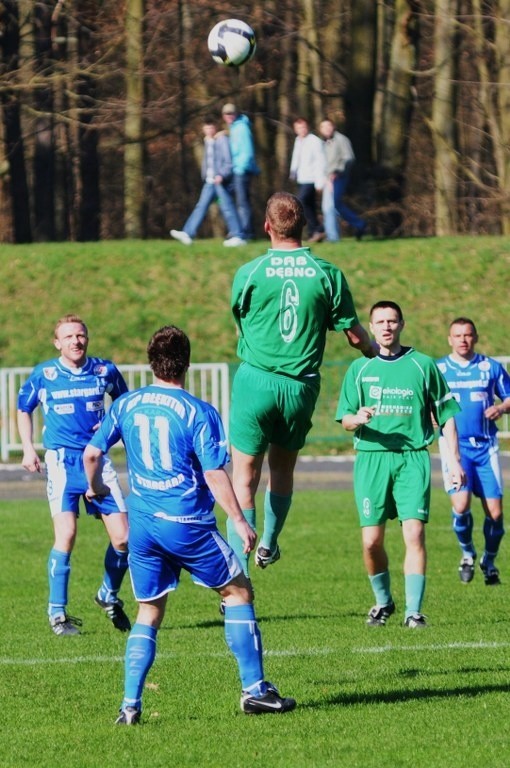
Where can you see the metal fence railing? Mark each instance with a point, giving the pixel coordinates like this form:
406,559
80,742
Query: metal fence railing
211,382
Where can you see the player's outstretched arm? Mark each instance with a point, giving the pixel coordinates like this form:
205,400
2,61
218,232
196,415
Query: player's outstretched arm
457,474
221,488
30,460
359,338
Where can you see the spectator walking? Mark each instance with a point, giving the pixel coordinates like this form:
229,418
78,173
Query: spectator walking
217,177
244,165
308,170
339,162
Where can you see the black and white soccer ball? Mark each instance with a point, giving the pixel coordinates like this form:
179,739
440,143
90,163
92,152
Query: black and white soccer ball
231,42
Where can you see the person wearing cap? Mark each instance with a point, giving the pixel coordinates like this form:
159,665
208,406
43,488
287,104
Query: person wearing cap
244,164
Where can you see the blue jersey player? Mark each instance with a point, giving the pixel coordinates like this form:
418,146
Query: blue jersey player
71,390
476,382
176,454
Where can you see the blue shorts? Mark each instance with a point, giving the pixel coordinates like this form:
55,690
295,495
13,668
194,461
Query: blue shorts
159,548
480,462
66,483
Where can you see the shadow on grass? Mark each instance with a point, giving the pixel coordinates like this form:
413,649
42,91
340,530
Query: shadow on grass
404,695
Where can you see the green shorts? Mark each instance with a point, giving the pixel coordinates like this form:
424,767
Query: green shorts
390,484
270,408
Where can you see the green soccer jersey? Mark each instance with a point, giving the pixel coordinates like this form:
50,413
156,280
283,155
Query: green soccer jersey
284,303
404,389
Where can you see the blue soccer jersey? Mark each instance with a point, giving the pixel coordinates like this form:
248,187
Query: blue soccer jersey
72,399
475,385
171,438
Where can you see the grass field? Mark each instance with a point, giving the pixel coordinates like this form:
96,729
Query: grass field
127,289
388,697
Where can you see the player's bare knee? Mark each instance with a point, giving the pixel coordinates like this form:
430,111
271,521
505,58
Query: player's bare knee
237,592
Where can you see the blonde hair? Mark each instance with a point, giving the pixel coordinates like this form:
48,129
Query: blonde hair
70,319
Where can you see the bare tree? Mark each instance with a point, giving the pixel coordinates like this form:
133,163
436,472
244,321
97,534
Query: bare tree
134,146
11,112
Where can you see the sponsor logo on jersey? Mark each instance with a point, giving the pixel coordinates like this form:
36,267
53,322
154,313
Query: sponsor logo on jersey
369,378
50,373
64,408
95,405
478,397
61,394
377,392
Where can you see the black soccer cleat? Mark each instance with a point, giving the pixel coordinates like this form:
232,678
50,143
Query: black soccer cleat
115,613
379,614
490,574
128,716
416,621
467,569
270,703
264,556
63,624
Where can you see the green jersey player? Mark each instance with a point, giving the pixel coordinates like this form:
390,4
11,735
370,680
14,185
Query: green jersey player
284,303
389,403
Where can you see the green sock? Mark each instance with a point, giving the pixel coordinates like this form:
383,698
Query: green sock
235,540
380,584
276,509
415,589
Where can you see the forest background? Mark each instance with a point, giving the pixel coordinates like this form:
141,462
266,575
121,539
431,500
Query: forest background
102,101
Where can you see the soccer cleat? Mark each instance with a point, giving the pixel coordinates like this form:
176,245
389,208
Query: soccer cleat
234,242
467,569
115,613
128,716
379,614
490,574
269,703
264,556
416,621
183,237
62,624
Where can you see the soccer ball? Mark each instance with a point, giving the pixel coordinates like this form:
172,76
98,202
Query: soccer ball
231,42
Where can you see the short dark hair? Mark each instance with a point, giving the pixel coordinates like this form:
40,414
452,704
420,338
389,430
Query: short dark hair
286,215
387,305
464,321
169,353
210,120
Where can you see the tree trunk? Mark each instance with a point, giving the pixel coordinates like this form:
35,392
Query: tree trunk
89,216
133,125
44,150
14,147
442,124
